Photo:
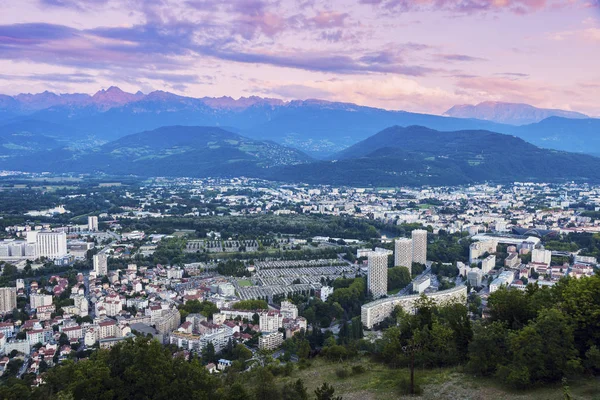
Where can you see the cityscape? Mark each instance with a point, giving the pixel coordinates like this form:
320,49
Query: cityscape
294,200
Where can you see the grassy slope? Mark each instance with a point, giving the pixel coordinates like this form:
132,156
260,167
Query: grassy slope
380,382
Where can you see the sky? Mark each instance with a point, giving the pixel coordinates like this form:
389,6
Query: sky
413,55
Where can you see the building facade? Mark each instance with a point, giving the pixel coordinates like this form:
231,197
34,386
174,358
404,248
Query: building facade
377,275
419,246
403,253
376,311
8,299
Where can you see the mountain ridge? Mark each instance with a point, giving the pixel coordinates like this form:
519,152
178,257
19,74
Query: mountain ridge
509,113
318,128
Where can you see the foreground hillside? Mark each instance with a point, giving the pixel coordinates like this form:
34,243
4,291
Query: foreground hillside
379,382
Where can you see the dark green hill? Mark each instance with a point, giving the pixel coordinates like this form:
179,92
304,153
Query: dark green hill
416,156
173,151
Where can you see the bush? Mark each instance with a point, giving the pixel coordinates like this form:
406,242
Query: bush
304,364
342,373
358,369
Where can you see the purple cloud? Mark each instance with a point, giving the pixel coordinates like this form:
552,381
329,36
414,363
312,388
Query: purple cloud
320,62
68,78
457,57
34,33
154,46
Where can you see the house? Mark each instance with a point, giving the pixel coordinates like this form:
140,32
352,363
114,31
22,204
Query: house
212,368
223,364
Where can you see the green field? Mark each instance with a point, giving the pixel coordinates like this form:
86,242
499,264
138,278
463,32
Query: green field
244,282
381,382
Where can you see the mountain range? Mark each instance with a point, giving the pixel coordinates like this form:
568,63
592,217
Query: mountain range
396,156
509,113
315,127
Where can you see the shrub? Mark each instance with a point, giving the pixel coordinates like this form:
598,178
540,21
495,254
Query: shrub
342,373
358,369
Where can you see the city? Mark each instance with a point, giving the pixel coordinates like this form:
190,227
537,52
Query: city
230,297
299,200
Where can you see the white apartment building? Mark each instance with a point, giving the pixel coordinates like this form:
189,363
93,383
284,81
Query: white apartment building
419,246
504,279
93,223
101,264
540,256
377,273
51,245
289,310
421,284
270,321
325,292
270,341
478,249
39,300
403,253
8,299
488,264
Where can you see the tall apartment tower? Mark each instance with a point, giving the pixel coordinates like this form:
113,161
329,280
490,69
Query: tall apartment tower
51,244
378,271
92,224
403,253
419,246
8,299
101,264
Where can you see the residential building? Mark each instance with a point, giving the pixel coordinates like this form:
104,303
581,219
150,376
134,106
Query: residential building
92,223
419,246
270,341
377,273
289,310
403,253
39,300
541,256
101,264
270,321
51,245
376,311
421,284
488,264
8,299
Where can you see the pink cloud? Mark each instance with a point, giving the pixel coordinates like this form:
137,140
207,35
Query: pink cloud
466,6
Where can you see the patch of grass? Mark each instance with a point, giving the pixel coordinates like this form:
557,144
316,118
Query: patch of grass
377,381
244,282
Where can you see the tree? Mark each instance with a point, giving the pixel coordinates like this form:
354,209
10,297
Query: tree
489,347
295,391
63,340
511,307
398,278
325,392
542,351
208,353
303,349
241,352
265,388
236,392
